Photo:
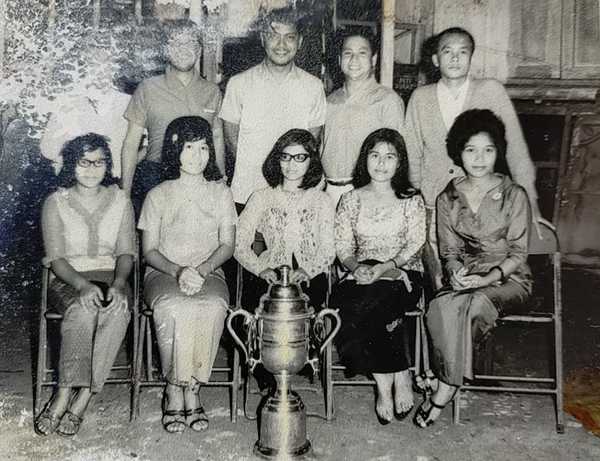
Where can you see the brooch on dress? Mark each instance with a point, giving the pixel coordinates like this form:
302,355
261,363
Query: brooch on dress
497,196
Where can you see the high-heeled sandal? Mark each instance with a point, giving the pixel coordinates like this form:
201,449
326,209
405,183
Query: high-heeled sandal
176,425
198,421
425,414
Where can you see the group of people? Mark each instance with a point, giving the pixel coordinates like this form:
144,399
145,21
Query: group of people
316,180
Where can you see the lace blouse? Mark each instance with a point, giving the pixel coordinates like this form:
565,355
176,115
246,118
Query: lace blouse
383,232
292,223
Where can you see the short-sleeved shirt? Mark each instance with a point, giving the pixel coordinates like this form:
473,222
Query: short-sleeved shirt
351,118
159,100
265,107
88,239
187,218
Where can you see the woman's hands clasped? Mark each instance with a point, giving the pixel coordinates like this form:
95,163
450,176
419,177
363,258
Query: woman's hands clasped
90,296
189,280
461,280
116,294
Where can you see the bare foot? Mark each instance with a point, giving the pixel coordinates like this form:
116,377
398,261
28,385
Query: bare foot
384,407
403,394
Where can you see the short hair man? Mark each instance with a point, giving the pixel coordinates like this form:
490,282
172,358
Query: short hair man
355,110
157,101
267,100
431,112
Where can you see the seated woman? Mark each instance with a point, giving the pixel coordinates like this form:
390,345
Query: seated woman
483,224
188,223
89,239
295,218
379,232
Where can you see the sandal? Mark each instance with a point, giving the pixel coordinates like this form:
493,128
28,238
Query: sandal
69,424
53,422
175,425
199,420
173,421
425,414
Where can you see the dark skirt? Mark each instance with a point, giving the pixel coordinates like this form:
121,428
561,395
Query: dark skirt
373,336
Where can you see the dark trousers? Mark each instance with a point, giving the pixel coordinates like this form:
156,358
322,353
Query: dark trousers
147,176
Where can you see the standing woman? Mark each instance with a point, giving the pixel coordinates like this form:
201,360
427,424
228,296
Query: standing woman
89,239
483,225
188,225
379,232
295,217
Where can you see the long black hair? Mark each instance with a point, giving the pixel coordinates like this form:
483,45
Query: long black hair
180,131
75,149
272,168
400,182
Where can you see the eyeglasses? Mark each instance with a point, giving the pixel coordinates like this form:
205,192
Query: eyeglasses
85,163
300,158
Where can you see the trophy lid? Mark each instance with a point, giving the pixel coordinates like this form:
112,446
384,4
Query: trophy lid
284,297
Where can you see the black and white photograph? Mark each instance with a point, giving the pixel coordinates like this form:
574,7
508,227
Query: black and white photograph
299,230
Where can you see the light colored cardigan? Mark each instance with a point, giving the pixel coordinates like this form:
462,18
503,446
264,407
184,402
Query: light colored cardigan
425,133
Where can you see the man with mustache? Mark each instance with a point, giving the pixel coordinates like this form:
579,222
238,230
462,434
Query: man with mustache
267,100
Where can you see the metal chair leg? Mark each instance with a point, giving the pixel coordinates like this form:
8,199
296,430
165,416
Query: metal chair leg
456,407
235,384
41,363
143,325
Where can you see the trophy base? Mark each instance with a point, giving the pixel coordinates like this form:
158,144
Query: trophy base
273,453
282,427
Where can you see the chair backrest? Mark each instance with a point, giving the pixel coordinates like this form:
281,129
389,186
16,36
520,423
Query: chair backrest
547,244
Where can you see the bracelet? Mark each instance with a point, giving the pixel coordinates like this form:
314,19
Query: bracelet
394,263
502,274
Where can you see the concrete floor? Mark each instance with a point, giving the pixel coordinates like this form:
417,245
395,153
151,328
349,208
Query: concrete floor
493,426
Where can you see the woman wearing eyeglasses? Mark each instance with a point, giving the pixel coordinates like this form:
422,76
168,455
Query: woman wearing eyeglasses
89,241
294,216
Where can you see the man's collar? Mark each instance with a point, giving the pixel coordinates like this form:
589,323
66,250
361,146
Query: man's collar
267,72
173,81
459,90
366,86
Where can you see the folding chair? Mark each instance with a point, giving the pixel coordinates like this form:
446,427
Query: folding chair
46,374
152,376
331,364
553,385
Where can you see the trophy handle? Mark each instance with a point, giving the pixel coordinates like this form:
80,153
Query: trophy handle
250,320
338,323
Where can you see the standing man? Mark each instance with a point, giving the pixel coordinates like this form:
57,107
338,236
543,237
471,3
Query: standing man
157,101
355,110
267,100
431,112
